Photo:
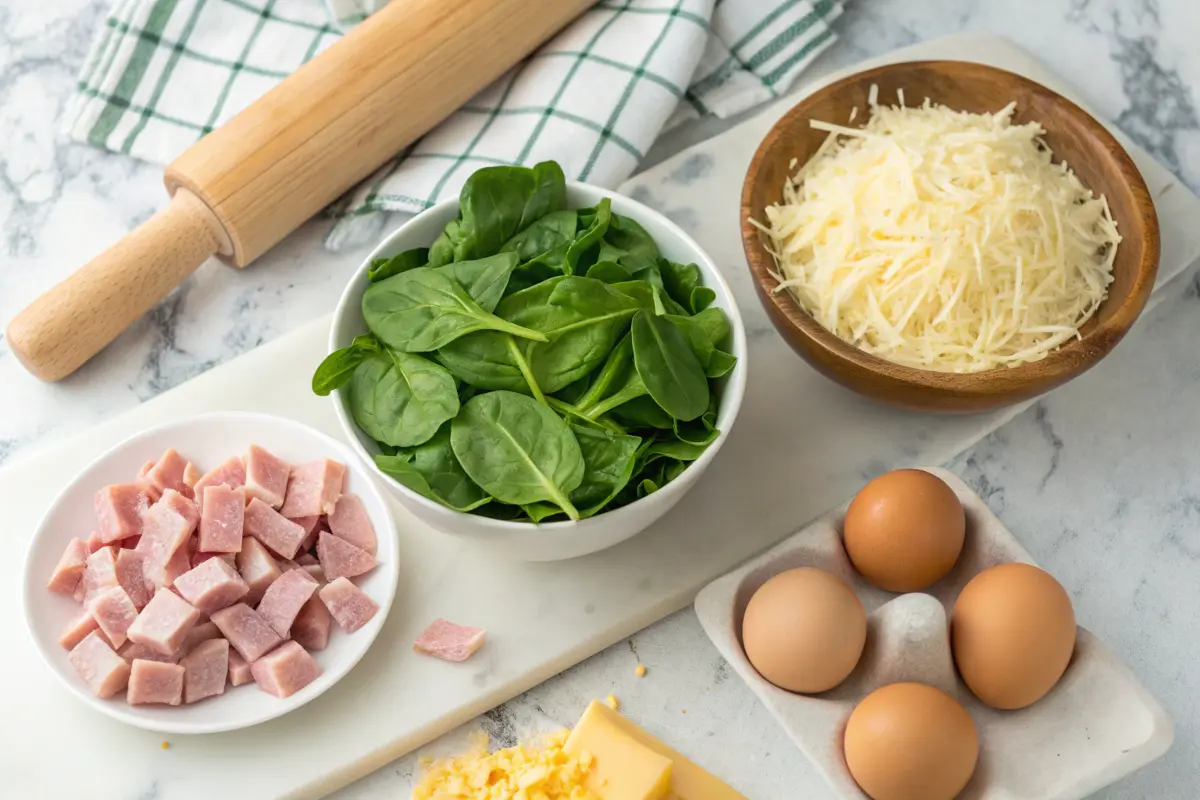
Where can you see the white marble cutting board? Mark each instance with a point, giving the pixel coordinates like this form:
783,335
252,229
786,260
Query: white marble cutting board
800,446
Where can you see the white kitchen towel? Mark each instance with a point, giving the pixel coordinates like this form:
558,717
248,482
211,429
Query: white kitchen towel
162,73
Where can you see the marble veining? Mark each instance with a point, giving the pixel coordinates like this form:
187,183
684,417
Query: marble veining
1099,481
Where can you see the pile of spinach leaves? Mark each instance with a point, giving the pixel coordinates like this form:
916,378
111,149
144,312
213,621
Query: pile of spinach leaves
535,361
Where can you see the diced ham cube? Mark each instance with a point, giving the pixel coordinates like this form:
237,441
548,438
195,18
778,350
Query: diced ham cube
246,630
131,575
167,474
316,571
105,672
69,571
191,476
285,670
310,541
131,543
228,558
349,605
304,559
77,629
206,669
312,625
133,651
284,599
308,523
273,529
100,573
266,476
349,521
164,622
314,489
94,542
79,593
203,632
239,669
165,529
231,473
212,586
114,612
257,567
155,682
177,566
119,511
222,513
145,470
450,642
339,558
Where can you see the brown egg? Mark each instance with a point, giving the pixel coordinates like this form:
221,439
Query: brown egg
1012,631
804,630
908,741
904,530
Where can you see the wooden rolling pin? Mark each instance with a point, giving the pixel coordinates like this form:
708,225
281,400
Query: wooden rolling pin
246,185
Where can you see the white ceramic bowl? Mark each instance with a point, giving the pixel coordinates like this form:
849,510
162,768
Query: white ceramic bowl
207,440
554,540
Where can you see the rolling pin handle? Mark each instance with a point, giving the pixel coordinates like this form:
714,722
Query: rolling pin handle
73,321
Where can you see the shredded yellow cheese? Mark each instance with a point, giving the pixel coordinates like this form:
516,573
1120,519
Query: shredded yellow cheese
541,771
943,240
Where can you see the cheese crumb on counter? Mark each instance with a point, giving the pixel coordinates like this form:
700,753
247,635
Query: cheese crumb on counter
542,770
942,239
640,671
612,702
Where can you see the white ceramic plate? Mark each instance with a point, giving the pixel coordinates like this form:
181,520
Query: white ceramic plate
207,440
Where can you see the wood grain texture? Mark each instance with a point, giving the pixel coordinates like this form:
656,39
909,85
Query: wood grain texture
338,118
72,322
1073,136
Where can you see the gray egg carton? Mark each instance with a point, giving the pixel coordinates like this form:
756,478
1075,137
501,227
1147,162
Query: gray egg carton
1096,725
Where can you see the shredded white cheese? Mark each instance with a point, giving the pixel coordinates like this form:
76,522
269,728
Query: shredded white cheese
943,240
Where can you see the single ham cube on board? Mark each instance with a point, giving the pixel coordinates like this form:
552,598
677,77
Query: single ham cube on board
212,586
232,473
348,604
449,642
285,670
131,575
314,489
349,521
284,598
246,630
168,474
239,669
273,529
165,529
100,573
105,672
339,558
312,625
119,511
266,476
77,629
155,682
258,569
206,669
114,613
164,622
69,571
222,514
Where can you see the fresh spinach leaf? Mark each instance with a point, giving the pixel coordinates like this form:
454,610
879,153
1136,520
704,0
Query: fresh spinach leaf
401,399
643,412
589,238
704,332
540,512
518,450
629,237
581,317
546,266
609,272
401,262
679,280
436,461
494,205
614,372
482,359
701,298
672,374
338,367
423,309
556,229
672,448
608,465
484,279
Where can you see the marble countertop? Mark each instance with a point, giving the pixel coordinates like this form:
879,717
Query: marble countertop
1100,481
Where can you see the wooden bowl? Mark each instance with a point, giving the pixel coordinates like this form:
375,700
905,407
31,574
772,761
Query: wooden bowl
1073,136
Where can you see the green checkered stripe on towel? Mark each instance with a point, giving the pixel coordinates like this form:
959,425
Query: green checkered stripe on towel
162,73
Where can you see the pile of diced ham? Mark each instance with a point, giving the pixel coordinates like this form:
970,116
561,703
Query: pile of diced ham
191,582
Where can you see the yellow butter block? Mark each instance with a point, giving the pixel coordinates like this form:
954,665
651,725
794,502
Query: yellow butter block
622,768
688,781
